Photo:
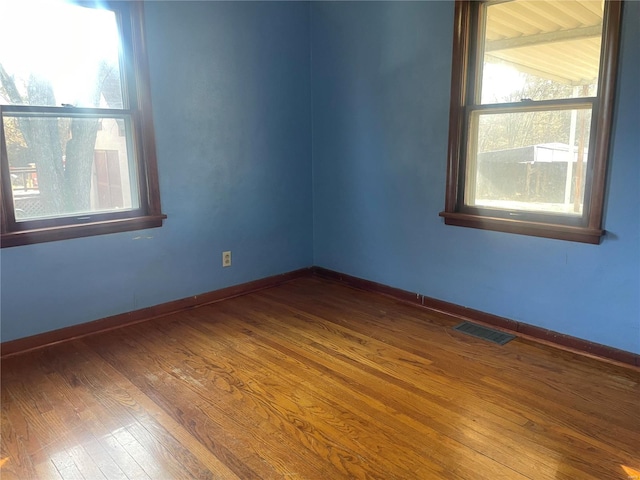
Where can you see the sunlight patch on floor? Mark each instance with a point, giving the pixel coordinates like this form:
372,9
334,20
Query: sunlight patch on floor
631,472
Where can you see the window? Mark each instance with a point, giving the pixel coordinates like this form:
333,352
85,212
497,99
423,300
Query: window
77,144
531,108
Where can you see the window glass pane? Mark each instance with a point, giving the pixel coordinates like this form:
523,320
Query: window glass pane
541,50
62,166
534,161
53,53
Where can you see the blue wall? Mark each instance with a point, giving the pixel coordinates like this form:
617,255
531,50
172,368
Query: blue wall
381,73
245,113
230,88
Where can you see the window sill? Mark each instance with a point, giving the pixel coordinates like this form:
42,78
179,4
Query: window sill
28,237
507,225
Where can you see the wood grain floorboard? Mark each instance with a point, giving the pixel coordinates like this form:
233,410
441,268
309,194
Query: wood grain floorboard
573,418
415,402
314,380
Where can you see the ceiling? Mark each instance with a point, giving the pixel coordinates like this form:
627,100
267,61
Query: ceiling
558,39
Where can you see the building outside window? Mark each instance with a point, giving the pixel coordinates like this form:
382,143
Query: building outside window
532,95
77,142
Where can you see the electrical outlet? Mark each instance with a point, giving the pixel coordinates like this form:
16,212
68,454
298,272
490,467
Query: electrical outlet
226,259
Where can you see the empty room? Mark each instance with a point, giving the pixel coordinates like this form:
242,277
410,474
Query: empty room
320,239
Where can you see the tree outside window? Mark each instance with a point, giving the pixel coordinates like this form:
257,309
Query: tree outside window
78,153
531,108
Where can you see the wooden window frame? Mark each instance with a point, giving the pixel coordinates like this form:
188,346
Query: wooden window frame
137,100
588,227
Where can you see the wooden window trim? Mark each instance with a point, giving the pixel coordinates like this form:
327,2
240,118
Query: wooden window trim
138,99
463,84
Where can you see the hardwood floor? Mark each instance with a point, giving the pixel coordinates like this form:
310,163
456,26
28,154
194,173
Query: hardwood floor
314,380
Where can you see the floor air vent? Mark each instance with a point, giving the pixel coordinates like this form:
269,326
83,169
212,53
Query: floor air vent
485,333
